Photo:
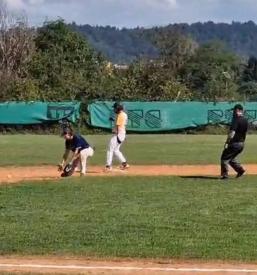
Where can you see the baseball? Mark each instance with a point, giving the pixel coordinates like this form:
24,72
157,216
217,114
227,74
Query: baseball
9,176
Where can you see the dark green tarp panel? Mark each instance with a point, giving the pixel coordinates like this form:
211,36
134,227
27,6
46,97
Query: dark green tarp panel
37,112
165,116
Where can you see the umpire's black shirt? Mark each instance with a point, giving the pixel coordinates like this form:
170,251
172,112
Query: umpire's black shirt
240,126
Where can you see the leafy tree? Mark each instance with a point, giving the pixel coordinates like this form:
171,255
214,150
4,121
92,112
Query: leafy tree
248,84
250,71
64,65
175,49
248,90
16,49
149,81
212,73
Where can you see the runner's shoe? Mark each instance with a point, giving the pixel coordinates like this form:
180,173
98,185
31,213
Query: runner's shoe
124,166
107,168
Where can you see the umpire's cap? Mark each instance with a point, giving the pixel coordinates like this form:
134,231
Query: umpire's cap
238,107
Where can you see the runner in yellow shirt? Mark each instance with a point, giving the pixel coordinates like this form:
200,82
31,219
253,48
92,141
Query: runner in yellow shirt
118,138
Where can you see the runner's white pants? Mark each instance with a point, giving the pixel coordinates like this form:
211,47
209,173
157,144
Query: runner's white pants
84,154
114,150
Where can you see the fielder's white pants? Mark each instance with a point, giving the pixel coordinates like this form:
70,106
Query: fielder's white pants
114,150
84,154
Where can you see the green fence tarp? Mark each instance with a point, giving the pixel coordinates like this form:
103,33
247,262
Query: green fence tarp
37,112
165,116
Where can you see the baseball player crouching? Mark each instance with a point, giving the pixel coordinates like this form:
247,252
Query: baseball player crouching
80,149
118,138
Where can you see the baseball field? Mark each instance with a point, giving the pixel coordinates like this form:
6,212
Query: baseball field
146,219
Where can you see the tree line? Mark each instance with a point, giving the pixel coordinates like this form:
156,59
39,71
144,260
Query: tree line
55,63
127,45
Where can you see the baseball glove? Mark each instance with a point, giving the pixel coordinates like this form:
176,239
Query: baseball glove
68,170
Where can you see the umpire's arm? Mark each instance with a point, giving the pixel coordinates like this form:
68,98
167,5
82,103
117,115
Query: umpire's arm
232,132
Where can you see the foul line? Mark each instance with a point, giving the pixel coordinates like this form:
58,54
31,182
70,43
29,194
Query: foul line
124,268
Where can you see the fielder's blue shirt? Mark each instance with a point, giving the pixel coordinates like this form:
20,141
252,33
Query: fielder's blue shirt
77,143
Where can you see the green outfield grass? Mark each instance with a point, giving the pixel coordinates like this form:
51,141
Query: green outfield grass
157,217
139,149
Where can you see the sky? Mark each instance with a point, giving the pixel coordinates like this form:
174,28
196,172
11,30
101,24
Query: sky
134,13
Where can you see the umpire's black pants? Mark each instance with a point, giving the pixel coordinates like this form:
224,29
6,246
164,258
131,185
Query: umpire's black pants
228,157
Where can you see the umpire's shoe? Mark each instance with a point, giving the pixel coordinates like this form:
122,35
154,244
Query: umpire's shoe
240,174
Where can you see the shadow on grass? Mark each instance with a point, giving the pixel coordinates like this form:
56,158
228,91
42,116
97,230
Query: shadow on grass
201,177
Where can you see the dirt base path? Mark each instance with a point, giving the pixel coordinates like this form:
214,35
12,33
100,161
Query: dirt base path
65,265
17,174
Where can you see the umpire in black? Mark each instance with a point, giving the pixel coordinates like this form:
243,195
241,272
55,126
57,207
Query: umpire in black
235,143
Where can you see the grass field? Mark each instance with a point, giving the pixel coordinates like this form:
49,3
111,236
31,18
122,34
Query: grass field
140,149
142,217
159,217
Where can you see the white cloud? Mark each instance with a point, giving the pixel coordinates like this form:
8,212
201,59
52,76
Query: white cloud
133,13
166,3
15,4
35,2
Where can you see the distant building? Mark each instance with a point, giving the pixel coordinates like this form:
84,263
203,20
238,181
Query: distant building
120,67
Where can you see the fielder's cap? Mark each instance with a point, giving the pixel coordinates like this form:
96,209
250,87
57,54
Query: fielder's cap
67,131
238,107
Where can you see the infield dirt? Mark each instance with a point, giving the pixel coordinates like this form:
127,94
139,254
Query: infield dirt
18,174
70,265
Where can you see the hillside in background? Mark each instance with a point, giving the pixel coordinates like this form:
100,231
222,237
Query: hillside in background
119,46
126,45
